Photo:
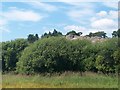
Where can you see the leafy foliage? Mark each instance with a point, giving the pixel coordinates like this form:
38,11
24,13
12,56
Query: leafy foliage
74,33
58,54
101,34
11,51
106,61
54,33
52,54
31,38
114,34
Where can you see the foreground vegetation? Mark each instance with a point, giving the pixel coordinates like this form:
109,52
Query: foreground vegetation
58,54
65,80
30,58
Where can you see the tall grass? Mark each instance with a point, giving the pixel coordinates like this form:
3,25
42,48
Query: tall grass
65,80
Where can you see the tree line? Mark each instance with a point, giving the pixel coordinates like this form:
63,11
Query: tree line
53,53
32,38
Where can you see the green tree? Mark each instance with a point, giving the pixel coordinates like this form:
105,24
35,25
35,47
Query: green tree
90,53
71,33
116,56
107,62
118,32
79,33
100,63
54,54
54,32
50,34
36,36
11,51
114,34
31,38
45,58
101,34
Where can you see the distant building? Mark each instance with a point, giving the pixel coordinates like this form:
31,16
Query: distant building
93,39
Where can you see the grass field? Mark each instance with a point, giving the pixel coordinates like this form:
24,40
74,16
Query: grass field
65,80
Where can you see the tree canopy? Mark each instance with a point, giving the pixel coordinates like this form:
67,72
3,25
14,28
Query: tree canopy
32,38
74,33
101,34
57,54
54,33
11,51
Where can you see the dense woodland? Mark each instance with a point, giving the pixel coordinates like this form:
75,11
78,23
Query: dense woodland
54,53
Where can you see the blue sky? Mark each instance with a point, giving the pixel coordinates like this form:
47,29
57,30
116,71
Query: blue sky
19,19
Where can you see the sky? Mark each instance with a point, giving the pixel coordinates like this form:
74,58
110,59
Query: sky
19,19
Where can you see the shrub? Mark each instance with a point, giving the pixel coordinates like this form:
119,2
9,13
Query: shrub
54,54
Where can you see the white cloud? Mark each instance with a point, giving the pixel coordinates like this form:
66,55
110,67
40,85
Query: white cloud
92,22
3,29
113,14
104,24
106,21
21,15
86,0
80,4
47,30
2,22
111,4
14,14
12,8
102,13
3,26
81,16
43,6
62,0
81,11
75,28
82,29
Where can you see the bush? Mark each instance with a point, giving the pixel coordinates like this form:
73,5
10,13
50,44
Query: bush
11,51
52,55
106,61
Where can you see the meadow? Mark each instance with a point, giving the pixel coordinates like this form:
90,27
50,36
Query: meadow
65,80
